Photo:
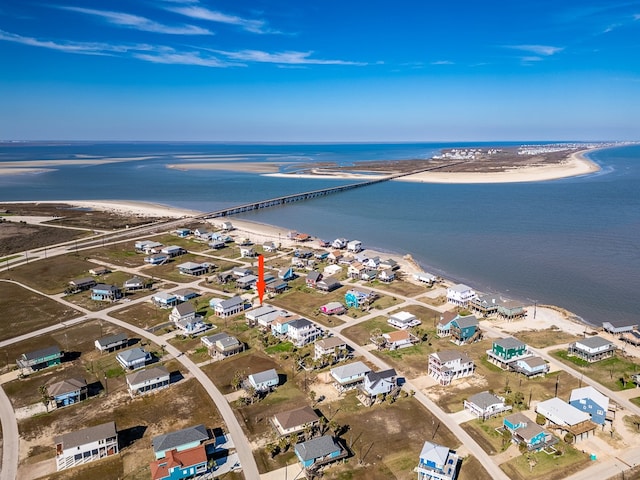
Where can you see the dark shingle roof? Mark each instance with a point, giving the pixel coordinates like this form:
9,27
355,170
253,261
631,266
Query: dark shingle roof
172,440
316,448
87,435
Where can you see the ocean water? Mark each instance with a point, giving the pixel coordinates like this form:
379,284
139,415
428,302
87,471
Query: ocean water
570,242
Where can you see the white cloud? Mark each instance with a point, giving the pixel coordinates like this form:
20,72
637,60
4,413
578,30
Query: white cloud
86,48
202,13
287,58
140,23
184,58
544,50
442,62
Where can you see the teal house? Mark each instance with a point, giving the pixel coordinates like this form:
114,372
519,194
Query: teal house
524,430
318,451
465,330
505,351
39,359
359,298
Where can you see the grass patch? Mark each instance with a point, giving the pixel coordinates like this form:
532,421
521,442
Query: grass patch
279,348
541,465
485,434
546,338
614,373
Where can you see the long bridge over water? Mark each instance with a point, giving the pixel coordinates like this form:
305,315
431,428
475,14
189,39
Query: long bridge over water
297,197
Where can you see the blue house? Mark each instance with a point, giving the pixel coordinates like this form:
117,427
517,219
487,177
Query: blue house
524,430
437,462
67,392
191,463
465,330
318,451
105,293
359,298
589,400
183,232
179,440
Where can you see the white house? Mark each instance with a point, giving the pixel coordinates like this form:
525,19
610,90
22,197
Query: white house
229,307
349,376
403,320
293,421
87,445
448,365
302,332
437,463
332,346
399,339
264,381
164,299
379,383
354,246
592,349
145,381
486,405
133,358
566,416
184,311
112,342
460,294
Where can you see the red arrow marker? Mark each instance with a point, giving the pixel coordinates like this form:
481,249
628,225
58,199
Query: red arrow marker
260,285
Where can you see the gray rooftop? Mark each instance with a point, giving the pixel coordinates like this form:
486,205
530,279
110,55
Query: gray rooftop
435,453
468,321
185,309
172,440
316,448
132,355
231,302
87,435
297,417
594,342
451,355
508,343
350,370
484,400
266,376
43,352
66,386
300,323
148,374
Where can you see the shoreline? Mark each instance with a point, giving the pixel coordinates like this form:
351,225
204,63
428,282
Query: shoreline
262,232
576,164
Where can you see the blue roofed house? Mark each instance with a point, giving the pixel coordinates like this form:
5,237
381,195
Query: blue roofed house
319,451
465,330
39,359
133,358
67,392
105,293
264,381
589,400
179,440
437,462
525,431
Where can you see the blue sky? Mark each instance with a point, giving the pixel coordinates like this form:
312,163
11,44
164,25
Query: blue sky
323,71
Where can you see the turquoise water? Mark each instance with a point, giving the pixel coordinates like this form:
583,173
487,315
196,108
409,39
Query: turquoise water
570,242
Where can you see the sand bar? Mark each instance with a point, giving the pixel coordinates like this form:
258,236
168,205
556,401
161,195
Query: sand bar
252,167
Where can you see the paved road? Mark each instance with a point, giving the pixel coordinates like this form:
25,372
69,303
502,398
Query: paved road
10,439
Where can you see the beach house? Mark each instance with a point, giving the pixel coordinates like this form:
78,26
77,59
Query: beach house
102,292
164,299
460,295
347,377
194,269
295,421
505,351
149,380
619,326
266,312
333,308
178,465
531,366
449,365
86,445
437,463
403,320
333,347
318,451
264,381
566,417
82,284
465,330
229,307
133,358
485,405
112,342
222,345
328,284
302,332
443,327
398,339
68,392
590,400
592,349
183,311
132,284
376,385
525,431
179,440
39,359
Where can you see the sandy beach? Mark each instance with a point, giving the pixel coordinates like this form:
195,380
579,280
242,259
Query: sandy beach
235,166
576,164
40,166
